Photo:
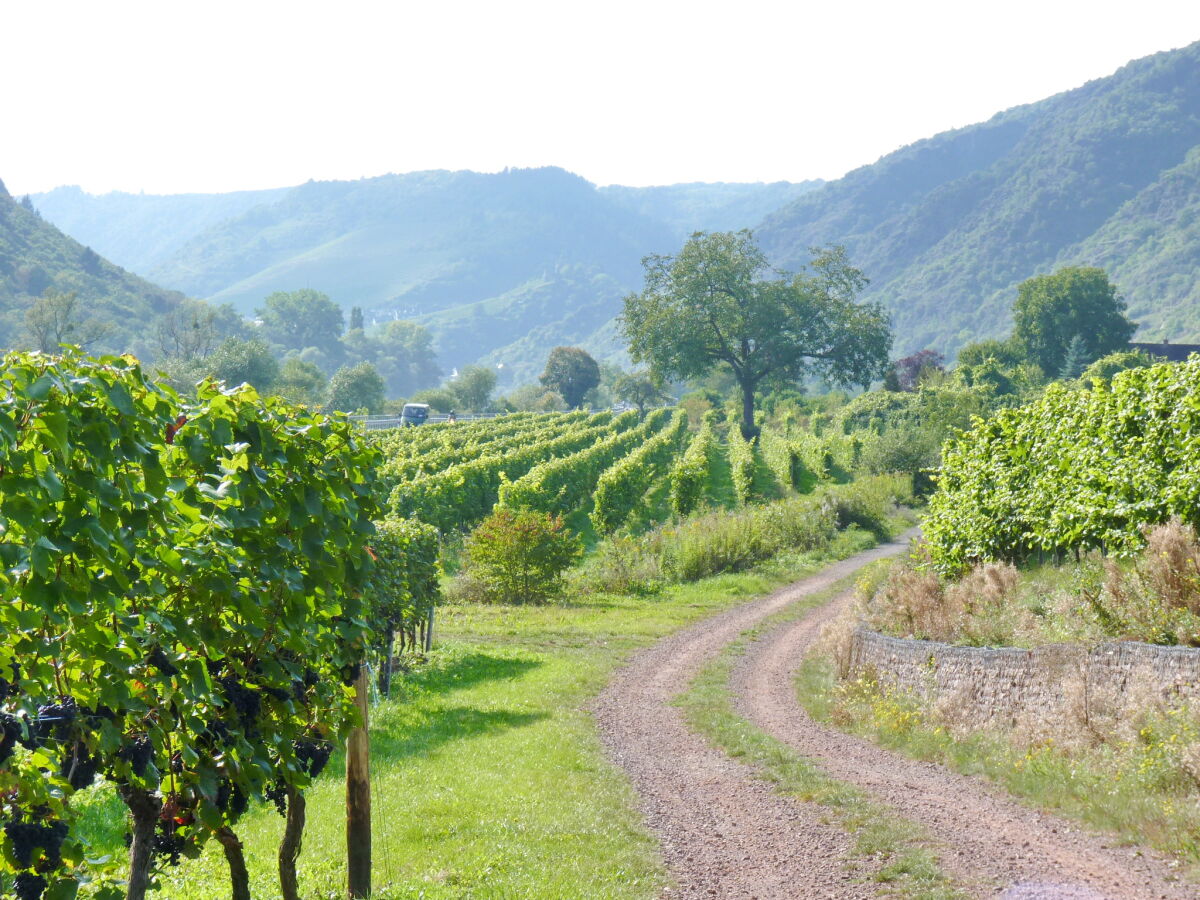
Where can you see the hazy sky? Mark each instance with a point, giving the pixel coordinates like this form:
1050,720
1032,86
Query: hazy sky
172,96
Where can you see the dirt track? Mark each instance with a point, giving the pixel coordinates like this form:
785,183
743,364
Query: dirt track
725,833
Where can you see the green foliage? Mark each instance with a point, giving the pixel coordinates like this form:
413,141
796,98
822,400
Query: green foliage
914,451
741,463
455,496
535,398
473,387
56,318
785,458
179,596
404,583
301,382
1106,367
563,482
1074,470
690,473
400,350
709,304
296,320
642,389
571,372
623,485
239,361
1005,352
356,387
1053,310
114,309
519,556
440,400
732,542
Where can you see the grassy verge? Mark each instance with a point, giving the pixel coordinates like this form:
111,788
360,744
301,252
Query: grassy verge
887,848
489,779
1138,789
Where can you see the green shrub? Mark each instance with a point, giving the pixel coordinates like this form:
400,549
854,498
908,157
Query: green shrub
519,556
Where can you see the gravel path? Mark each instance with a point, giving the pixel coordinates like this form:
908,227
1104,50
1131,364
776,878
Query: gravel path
723,832
987,838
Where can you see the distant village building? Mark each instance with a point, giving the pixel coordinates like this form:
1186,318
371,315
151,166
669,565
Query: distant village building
1167,350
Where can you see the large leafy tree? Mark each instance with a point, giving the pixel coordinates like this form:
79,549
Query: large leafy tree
299,319
1052,310
473,387
641,389
239,361
572,372
716,303
356,387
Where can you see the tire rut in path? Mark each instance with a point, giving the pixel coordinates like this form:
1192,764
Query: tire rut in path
986,837
723,832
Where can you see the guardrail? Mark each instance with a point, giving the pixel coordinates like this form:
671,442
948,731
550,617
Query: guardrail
379,423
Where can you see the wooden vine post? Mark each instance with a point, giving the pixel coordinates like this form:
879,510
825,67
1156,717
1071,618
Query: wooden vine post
358,797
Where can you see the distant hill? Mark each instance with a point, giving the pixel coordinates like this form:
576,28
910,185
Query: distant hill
1108,175
501,266
686,208
141,231
35,255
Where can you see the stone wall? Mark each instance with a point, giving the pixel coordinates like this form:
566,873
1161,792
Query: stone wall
1038,690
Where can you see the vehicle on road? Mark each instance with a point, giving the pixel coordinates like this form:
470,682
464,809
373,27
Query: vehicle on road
414,414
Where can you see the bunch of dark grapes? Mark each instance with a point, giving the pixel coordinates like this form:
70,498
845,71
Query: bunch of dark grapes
277,794
79,766
159,660
10,733
218,732
244,700
28,886
231,799
27,837
138,754
313,755
55,719
301,685
350,674
168,844
276,693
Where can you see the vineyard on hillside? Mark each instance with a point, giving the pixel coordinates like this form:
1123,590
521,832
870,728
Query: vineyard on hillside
609,468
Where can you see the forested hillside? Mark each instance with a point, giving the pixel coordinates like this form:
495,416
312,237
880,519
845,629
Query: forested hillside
1102,175
140,231
36,257
503,266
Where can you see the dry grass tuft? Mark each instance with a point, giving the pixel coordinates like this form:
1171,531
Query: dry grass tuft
1171,565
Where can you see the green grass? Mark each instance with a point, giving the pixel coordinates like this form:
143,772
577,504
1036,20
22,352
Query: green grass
1139,790
887,848
488,775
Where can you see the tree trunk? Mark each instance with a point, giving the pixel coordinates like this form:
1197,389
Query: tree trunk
385,671
358,799
289,847
144,808
748,428
429,630
239,877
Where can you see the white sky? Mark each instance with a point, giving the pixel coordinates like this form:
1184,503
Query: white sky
170,96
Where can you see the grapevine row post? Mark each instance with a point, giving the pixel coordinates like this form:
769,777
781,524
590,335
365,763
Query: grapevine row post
358,797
